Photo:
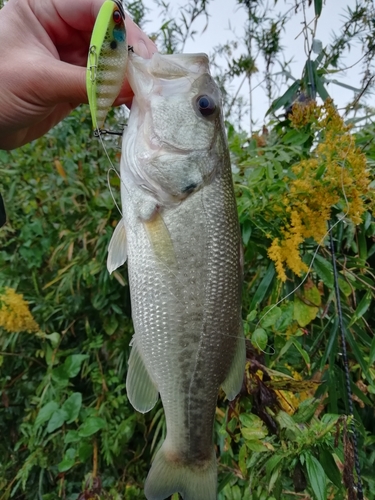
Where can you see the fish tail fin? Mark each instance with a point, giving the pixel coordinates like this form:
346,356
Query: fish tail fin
168,475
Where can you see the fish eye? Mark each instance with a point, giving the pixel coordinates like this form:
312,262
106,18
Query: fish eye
206,105
117,17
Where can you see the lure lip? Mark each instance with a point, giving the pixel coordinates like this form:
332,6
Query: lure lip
120,7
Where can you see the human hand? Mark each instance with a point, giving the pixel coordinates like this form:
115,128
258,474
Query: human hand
43,54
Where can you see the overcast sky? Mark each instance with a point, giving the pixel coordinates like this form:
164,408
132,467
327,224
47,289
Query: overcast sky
226,13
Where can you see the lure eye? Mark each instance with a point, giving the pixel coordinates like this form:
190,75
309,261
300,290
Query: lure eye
117,17
206,105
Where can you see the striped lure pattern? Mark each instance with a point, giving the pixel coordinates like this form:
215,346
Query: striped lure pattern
107,59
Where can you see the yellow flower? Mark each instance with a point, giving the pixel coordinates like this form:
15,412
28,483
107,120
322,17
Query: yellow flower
335,172
15,315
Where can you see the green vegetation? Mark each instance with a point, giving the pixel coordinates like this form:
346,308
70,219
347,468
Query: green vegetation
67,429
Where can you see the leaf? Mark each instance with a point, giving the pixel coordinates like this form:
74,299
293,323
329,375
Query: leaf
324,270
246,231
242,456
286,318
269,316
320,88
286,421
68,460
316,476
57,420
72,364
250,420
54,338
296,138
72,406
60,168
344,287
306,410
66,464
372,353
303,313
259,339
318,7
330,468
60,375
274,476
91,426
71,437
263,287
45,413
361,308
358,354
259,446
311,293
286,98
225,479
110,324
251,316
85,451
253,434
302,351
271,464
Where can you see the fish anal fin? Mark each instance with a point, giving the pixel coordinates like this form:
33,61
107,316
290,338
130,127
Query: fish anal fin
141,390
233,382
193,482
117,253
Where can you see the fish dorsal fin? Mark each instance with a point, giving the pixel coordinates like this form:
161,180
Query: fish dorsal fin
160,240
141,390
117,253
233,383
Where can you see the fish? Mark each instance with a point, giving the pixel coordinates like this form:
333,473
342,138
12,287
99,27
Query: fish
107,60
180,236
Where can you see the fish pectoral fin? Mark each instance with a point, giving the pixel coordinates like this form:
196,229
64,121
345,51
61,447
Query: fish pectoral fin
233,383
141,390
117,253
160,240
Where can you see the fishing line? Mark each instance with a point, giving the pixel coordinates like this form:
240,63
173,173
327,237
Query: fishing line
111,168
110,187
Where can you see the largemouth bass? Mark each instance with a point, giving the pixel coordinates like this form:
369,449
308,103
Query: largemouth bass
180,234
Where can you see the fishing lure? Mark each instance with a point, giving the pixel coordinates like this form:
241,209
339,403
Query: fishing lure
107,59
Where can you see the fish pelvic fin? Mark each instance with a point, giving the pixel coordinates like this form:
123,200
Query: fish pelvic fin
140,388
233,382
168,476
117,253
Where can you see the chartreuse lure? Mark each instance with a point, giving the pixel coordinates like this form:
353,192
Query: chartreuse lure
106,63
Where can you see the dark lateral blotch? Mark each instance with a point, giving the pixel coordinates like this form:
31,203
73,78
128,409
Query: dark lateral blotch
190,188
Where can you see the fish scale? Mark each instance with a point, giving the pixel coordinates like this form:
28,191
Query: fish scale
180,234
